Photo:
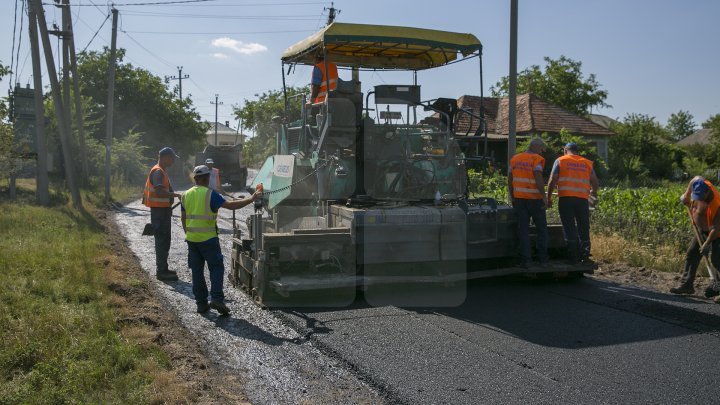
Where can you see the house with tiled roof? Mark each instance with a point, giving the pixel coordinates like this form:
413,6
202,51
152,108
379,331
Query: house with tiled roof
226,136
534,116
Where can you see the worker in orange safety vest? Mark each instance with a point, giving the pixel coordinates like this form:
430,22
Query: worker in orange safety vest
527,190
703,201
159,196
324,73
576,183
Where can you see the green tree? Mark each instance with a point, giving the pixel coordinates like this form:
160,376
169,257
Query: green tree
639,150
713,123
562,83
680,125
257,116
554,145
143,105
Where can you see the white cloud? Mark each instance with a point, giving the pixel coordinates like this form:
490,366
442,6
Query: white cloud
238,46
220,55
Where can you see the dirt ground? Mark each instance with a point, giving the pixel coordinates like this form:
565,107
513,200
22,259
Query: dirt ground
648,278
192,377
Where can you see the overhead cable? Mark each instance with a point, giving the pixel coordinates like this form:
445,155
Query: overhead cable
96,32
216,33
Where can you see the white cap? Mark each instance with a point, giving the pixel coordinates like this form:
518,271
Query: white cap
209,161
201,170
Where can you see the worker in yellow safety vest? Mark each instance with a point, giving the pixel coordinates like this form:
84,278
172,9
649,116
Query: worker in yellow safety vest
200,206
576,183
159,196
527,190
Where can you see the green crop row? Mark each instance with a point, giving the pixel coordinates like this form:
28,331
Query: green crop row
654,216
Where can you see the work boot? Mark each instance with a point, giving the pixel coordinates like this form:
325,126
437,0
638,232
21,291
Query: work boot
713,290
202,307
166,275
683,289
220,307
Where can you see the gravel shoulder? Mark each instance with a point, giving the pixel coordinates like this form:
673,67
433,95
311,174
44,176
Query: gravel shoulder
274,363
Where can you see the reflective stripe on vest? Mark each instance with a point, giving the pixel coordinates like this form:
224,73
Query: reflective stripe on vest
523,175
574,176
200,221
150,197
331,78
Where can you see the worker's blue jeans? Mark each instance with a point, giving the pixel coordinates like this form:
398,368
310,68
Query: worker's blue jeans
575,218
535,209
198,254
161,218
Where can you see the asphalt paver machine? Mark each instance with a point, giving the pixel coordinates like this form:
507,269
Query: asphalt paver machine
358,196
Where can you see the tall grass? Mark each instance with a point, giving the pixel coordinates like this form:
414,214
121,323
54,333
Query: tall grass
59,340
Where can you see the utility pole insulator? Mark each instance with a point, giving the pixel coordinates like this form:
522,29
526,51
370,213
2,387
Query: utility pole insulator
332,13
179,78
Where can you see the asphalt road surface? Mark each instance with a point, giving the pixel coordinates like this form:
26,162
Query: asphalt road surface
511,341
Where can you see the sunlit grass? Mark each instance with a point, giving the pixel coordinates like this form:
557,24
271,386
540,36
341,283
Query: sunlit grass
59,338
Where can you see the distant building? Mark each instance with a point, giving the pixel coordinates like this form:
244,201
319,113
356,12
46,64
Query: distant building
226,136
602,120
699,137
534,116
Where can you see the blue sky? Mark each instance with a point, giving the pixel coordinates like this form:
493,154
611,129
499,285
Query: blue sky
653,57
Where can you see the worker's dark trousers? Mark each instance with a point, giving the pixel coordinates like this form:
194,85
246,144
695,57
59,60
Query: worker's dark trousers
575,218
198,254
526,209
693,258
161,218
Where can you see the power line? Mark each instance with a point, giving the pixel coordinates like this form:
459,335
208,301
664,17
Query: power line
147,50
94,5
20,36
95,34
153,3
189,4
12,51
216,33
305,17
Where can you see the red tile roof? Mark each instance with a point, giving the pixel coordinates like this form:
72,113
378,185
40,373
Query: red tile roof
534,116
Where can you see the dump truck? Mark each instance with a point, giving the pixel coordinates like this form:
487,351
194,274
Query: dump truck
360,195
228,159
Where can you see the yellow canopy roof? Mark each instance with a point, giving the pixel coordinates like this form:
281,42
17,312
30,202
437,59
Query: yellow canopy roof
383,47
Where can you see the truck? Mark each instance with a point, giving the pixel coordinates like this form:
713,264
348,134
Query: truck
359,196
228,159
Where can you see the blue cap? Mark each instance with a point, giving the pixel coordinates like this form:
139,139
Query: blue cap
168,151
571,146
699,188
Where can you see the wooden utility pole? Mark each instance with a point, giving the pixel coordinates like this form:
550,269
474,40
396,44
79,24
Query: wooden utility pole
110,103
79,119
63,34
42,194
57,99
512,96
216,118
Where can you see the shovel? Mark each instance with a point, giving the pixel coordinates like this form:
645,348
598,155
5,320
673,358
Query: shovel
712,271
148,230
